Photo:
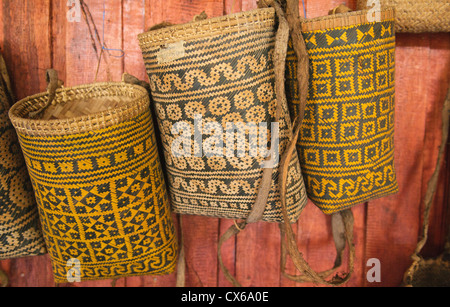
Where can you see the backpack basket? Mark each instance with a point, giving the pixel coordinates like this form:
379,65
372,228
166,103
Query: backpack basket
222,71
92,157
346,143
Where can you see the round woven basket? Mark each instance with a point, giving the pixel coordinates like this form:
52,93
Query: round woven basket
93,161
430,273
221,68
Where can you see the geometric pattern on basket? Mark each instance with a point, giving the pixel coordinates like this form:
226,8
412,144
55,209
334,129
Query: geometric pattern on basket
346,143
20,231
102,200
227,78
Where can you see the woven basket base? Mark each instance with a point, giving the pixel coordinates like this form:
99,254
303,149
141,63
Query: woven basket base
432,273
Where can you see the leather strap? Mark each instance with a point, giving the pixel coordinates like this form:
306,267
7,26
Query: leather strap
342,223
257,212
53,83
429,196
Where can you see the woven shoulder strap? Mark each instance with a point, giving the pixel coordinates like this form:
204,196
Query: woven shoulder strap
257,212
429,196
342,222
53,83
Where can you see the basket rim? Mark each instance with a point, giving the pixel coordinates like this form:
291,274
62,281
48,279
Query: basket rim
344,19
215,25
81,123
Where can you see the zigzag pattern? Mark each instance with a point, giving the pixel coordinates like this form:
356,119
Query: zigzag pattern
171,81
224,85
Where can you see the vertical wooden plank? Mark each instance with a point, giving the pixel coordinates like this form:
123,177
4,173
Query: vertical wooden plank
2,28
321,8
59,26
180,11
26,44
248,5
315,239
134,13
133,25
392,222
75,58
80,57
201,234
200,241
25,41
232,6
438,78
236,6
258,256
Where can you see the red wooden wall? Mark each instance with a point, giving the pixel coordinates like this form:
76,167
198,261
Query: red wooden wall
35,35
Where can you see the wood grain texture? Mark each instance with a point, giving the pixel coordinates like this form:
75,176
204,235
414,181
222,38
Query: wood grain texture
394,223
27,51
315,239
438,75
133,25
36,35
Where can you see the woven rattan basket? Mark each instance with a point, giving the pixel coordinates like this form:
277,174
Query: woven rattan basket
416,16
20,231
92,157
222,70
346,143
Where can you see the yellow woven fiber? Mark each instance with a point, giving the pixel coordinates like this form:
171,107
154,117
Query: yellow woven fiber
346,143
100,191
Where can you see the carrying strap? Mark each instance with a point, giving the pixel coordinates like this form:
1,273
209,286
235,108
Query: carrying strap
6,82
4,281
342,225
257,212
53,83
181,265
429,196
342,222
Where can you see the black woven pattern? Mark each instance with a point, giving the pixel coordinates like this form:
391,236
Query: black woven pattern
20,231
